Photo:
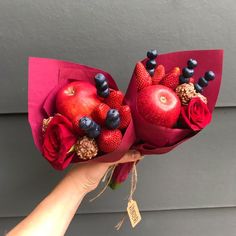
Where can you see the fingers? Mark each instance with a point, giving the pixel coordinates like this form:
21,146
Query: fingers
130,156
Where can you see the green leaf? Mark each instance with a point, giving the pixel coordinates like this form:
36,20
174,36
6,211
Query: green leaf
114,185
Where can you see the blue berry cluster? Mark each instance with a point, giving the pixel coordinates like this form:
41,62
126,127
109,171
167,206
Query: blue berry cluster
203,81
151,62
112,119
102,85
188,71
91,128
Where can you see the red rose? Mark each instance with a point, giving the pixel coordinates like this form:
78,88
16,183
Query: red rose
58,139
196,114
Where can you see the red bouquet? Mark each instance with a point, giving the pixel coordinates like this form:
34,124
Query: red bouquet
172,97
77,113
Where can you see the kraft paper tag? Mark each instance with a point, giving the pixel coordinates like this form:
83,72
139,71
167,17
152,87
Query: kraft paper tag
133,212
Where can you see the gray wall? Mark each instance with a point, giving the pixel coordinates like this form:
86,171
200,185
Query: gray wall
190,191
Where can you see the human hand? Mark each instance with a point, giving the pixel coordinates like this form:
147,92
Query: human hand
86,176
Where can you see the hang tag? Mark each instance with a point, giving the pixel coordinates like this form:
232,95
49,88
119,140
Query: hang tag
133,212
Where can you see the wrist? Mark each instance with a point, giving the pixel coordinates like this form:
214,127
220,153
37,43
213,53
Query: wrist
86,177
76,185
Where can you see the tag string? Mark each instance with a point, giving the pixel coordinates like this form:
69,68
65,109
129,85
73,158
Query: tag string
110,170
134,180
120,223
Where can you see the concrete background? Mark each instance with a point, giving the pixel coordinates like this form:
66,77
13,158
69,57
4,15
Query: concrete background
193,188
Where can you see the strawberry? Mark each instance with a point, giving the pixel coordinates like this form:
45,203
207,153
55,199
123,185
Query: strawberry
171,79
115,99
109,140
100,112
125,116
143,79
158,74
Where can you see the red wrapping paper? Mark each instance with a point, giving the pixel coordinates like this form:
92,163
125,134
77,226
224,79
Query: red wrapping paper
46,76
152,139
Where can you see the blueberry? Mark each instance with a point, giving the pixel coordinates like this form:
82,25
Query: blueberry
112,114
151,72
152,54
183,80
112,119
198,88
103,86
151,64
91,128
99,78
202,82
209,75
104,94
113,124
94,133
191,63
187,73
85,123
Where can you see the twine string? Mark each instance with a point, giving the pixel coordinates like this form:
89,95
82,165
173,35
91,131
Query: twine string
111,171
134,180
106,174
120,223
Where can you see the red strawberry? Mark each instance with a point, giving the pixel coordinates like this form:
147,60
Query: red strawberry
125,116
109,140
115,99
143,79
171,79
158,74
100,112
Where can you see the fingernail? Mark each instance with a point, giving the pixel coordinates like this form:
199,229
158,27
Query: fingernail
136,154
142,157
134,151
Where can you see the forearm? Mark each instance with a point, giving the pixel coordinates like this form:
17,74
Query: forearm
53,215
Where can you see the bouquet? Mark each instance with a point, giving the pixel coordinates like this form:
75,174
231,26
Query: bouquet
77,113
172,97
